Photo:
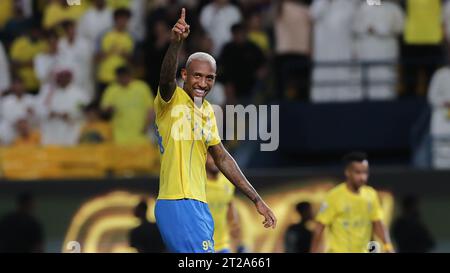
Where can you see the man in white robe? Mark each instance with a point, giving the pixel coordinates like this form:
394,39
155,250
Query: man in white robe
61,110
333,42
5,75
95,22
77,53
439,99
377,30
15,106
217,18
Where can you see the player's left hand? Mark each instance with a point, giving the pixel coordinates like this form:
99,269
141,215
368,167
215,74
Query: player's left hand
269,218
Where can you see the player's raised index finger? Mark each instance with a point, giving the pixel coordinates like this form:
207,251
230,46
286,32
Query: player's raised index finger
183,14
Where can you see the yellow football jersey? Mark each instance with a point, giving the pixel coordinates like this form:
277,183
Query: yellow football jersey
131,104
184,133
219,194
112,44
348,217
23,49
55,13
116,4
424,22
6,11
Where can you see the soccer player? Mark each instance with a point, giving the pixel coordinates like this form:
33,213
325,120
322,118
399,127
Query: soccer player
219,194
186,130
352,212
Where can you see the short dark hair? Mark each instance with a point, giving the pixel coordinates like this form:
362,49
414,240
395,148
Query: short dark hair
302,208
123,70
237,27
90,107
67,23
410,202
122,12
51,33
354,157
24,199
140,210
16,78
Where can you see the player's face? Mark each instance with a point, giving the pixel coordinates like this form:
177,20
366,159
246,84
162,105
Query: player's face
357,173
198,78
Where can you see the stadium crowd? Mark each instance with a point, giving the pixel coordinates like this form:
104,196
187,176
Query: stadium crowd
88,73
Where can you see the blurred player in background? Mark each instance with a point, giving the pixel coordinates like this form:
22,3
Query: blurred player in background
145,238
186,130
298,236
219,194
352,212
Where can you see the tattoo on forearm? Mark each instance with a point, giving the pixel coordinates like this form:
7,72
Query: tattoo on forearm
169,69
230,169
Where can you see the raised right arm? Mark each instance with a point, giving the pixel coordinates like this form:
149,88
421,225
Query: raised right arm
167,78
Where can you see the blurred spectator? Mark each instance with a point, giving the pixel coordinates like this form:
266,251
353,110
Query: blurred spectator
26,6
378,30
439,100
333,44
218,97
25,135
256,32
61,110
17,25
241,63
58,11
22,52
200,41
45,62
20,231
118,4
137,24
157,44
216,19
408,230
95,130
446,15
298,236
5,75
145,238
77,53
422,50
96,21
6,11
15,106
138,9
293,48
116,49
130,102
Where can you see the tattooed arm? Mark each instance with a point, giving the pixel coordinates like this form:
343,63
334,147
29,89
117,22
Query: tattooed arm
167,78
230,169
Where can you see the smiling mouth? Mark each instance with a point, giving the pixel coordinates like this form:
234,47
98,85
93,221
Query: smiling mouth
199,93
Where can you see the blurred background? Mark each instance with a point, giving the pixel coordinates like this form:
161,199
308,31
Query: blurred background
78,153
